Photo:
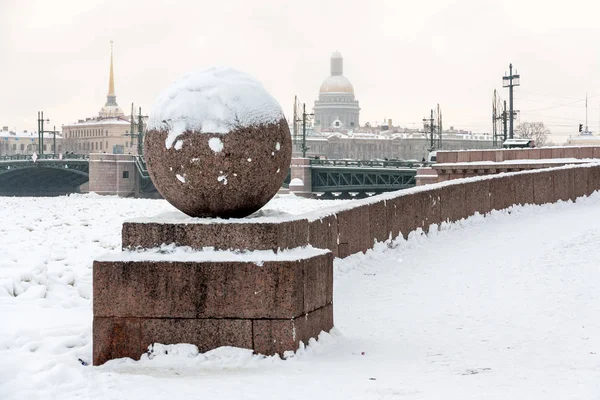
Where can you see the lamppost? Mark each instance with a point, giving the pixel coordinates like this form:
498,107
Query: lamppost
41,121
304,117
510,81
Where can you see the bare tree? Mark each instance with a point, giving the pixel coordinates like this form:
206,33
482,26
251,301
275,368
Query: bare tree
533,130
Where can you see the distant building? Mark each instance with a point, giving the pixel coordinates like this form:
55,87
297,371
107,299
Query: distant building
336,107
26,143
335,131
404,146
583,140
110,132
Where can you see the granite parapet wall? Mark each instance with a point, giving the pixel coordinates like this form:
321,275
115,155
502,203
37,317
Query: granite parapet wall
349,229
500,155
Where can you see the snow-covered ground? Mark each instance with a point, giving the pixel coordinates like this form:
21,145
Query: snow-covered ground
502,307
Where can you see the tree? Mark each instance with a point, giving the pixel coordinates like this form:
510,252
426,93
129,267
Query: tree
533,130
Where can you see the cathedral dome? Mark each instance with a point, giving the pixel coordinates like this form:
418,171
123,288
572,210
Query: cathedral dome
336,84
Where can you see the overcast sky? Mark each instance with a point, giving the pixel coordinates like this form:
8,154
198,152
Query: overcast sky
403,57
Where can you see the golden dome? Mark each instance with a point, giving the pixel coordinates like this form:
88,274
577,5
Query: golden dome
336,84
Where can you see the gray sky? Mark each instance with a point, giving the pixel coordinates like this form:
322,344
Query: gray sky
403,57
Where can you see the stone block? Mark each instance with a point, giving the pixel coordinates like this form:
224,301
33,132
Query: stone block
207,334
477,197
427,205
533,154
557,152
499,155
571,152
378,222
166,289
580,182
502,192
510,154
403,215
115,338
318,283
545,153
523,189
593,179
488,155
278,336
323,234
353,230
462,156
475,156
543,190
221,236
562,181
452,203
586,152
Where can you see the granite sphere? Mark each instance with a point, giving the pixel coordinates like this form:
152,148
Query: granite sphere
217,144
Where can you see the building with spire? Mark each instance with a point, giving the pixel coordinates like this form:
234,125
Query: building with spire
110,132
336,108
111,109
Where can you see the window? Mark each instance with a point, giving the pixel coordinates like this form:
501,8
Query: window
100,145
44,147
125,174
14,146
22,147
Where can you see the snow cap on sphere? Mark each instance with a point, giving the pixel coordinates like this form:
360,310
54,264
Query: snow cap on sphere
214,100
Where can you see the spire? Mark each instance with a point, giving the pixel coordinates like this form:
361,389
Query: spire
111,81
111,108
111,98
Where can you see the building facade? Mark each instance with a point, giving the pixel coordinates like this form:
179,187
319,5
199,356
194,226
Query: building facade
14,143
110,132
336,108
403,146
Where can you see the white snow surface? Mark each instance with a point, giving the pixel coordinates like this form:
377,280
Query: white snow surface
501,307
214,100
174,253
215,144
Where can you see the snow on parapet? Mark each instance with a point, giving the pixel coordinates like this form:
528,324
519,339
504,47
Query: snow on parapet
173,253
216,100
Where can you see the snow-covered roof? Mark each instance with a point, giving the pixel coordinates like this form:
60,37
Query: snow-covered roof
26,135
100,121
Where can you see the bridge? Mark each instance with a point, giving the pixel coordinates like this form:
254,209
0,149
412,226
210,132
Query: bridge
47,175
360,177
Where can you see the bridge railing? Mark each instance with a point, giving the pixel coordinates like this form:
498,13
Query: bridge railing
29,157
140,163
368,163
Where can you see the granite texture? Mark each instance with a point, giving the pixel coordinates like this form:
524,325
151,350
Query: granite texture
502,193
543,189
274,289
233,182
524,193
221,236
279,336
323,234
477,197
452,203
117,337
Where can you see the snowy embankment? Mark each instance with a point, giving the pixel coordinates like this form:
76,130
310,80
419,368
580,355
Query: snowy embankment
499,307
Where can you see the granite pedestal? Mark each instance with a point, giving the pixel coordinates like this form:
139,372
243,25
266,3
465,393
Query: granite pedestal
262,300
